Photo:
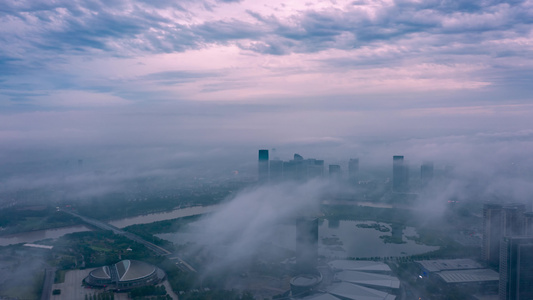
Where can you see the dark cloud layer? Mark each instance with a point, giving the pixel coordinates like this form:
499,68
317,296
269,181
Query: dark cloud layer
67,26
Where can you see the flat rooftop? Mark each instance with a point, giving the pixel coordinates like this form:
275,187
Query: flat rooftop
359,265
346,290
469,276
448,264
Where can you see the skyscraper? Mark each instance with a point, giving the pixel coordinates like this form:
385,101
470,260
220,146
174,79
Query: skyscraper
262,174
516,268
400,174
315,168
334,171
492,233
276,170
353,169
426,172
528,224
513,219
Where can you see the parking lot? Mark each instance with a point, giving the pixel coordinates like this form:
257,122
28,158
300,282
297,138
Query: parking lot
72,289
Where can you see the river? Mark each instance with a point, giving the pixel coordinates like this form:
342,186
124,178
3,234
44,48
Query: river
37,235
356,242
337,239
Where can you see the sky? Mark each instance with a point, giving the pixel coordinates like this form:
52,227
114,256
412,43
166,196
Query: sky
449,79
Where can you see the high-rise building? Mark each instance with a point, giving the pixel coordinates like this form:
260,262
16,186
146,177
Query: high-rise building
334,171
315,168
516,268
400,174
300,169
276,170
262,174
513,219
353,169
528,224
492,233
306,244
426,172
295,169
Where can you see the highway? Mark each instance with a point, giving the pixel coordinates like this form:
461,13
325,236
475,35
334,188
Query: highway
49,275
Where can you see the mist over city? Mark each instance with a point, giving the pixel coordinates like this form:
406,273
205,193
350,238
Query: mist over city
238,149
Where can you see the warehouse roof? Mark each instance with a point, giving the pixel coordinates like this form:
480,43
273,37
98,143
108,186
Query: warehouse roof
448,264
468,276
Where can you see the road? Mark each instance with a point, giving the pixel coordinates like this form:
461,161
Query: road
49,275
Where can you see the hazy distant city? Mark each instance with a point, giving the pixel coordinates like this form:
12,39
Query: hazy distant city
270,228
265,149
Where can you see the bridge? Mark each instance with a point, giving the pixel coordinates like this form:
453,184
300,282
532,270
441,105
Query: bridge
104,226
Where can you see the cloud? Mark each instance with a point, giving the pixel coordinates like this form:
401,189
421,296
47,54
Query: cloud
251,217
264,71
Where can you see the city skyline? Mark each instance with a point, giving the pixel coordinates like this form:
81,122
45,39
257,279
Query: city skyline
243,117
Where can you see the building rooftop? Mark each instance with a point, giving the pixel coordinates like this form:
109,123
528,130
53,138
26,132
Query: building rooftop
321,297
39,246
359,265
369,279
306,280
448,264
356,292
467,276
133,269
102,273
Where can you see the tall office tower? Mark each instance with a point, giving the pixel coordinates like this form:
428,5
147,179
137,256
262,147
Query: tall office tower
262,174
315,168
295,169
289,170
335,171
353,169
513,219
492,233
426,172
400,174
306,244
528,224
516,268
276,170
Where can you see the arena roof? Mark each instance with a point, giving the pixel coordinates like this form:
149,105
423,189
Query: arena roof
369,279
448,264
359,265
306,280
102,273
321,297
357,292
133,269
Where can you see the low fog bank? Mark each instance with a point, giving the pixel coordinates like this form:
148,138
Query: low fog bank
245,222
468,171
480,165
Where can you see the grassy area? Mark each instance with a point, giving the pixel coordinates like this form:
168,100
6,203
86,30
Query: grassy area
147,231
60,276
101,249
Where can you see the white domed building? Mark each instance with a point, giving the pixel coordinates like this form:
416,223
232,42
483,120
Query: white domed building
125,274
